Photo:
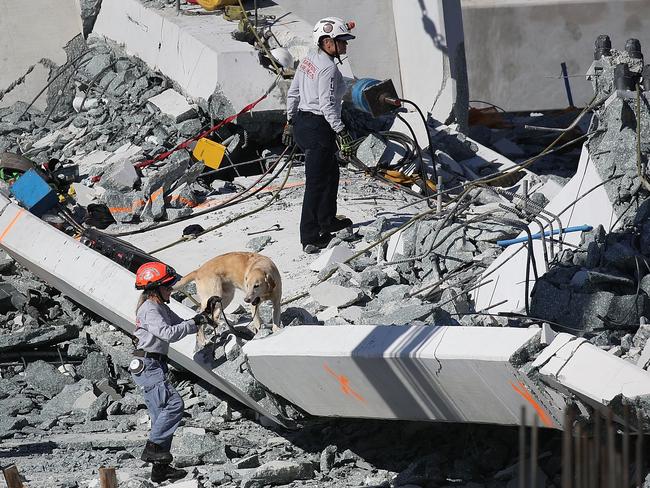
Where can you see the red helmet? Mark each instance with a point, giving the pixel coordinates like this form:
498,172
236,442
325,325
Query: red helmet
153,274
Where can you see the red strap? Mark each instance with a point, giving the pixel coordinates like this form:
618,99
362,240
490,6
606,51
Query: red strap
184,144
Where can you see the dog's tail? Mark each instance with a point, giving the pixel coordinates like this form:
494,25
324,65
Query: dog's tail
185,280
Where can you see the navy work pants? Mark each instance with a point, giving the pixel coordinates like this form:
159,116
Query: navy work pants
163,402
317,140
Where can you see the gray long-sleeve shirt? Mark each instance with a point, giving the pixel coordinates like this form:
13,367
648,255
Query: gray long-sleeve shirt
317,87
156,326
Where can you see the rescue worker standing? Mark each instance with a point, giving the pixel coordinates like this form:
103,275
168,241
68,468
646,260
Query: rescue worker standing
314,120
156,327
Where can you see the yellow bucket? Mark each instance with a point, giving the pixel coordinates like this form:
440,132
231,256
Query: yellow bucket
210,152
211,5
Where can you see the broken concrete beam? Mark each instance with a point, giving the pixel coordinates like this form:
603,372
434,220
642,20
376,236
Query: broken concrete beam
102,286
183,196
154,209
28,339
589,372
173,105
458,374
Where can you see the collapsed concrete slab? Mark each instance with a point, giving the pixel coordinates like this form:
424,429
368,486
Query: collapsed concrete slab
453,374
97,283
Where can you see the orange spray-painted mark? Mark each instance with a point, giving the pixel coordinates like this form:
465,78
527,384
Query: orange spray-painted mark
345,384
11,224
521,389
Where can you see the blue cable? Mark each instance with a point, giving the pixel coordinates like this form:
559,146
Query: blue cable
517,240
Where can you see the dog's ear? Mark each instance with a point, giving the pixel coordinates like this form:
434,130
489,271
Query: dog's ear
271,282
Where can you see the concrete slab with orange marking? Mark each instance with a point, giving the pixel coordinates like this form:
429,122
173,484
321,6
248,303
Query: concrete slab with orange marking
97,283
596,376
451,374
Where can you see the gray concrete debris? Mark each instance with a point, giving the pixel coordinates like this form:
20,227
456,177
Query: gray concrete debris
124,207
167,176
302,316
97,409
30,338
371,150
192,448
257,244
284,472
46,379
329,295
64,402
120,176
173,105
94,367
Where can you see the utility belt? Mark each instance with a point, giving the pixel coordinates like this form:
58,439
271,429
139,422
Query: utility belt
305,113
136,366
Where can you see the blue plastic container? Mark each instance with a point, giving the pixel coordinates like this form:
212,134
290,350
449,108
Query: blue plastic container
32,191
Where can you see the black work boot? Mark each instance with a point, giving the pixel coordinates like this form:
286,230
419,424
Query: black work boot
316,246
153,453
338,224
162,472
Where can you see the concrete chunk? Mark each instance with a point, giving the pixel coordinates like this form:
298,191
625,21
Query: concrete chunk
45,378
284,472
174,105
84,194
329,257
330,295
76,396
371,150
124,207
120,176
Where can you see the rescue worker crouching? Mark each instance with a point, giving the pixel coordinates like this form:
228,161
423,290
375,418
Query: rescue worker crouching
314,103
155,328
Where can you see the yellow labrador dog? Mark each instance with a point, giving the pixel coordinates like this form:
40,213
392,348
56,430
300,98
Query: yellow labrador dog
254,274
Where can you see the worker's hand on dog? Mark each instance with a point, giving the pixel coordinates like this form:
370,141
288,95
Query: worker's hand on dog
345,142
201,319
287,134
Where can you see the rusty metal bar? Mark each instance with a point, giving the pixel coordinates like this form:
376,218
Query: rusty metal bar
522,449
534,440
611,450
12,477
577,458
567,474
626,447
107,478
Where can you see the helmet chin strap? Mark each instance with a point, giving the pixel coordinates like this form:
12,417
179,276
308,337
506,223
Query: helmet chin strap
337,55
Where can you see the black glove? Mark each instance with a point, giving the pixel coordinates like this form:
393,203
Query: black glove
201,319
287,134
344,141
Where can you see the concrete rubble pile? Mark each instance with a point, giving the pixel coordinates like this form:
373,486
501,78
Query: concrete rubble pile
63,416
118,113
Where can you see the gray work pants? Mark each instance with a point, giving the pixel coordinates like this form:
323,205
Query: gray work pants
163,402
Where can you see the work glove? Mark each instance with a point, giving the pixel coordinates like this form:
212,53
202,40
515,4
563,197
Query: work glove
344,141
201,319
287,134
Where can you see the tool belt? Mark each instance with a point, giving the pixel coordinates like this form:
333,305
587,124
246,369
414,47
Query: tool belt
153,355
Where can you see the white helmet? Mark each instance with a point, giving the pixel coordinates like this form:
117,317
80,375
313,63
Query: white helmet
333,27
